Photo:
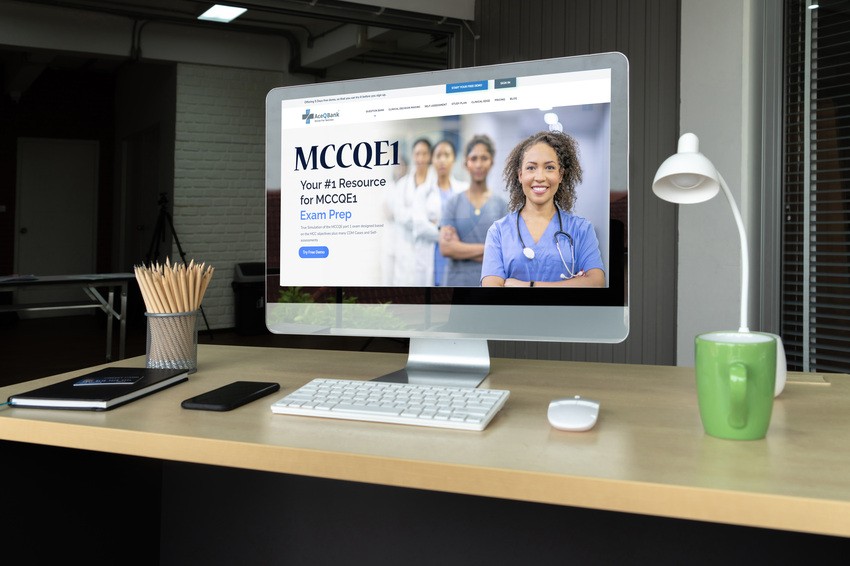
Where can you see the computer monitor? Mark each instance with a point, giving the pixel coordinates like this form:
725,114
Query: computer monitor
341,208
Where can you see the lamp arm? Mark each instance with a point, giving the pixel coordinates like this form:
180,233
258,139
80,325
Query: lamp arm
745,256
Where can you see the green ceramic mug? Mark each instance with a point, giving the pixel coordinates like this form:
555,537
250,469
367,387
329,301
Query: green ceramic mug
736,375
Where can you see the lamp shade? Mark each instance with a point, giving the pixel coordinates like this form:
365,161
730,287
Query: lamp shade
688,176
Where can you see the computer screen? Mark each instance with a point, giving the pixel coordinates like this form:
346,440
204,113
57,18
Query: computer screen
393,203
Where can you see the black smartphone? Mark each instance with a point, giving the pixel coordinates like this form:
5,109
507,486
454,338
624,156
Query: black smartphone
230,396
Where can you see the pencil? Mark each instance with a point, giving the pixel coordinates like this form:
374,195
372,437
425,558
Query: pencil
173,287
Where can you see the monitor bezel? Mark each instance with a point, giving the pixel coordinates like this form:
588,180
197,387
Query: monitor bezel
466,312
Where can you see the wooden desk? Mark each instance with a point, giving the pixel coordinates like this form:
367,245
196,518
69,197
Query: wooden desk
647,455
89,284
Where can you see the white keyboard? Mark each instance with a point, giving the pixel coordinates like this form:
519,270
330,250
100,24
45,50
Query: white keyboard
463,408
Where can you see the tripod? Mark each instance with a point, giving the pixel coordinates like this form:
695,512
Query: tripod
163,219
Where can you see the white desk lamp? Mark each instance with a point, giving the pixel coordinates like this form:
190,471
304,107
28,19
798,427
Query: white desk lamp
688,177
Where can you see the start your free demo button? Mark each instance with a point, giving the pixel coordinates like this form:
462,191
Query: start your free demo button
466,87
308,252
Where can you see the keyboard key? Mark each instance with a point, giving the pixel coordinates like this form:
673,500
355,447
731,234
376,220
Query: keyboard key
366,409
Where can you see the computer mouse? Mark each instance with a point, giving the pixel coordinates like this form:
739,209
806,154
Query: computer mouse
575,414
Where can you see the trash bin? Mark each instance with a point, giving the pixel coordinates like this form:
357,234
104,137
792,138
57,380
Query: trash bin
249,286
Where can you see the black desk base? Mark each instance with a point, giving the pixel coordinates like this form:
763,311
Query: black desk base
112,509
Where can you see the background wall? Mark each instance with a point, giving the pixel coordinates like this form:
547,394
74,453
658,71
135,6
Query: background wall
219,173
723,96
144,142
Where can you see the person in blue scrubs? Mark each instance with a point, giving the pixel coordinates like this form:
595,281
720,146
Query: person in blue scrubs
468,215
540,243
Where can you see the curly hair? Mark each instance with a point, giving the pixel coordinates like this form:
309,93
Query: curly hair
566,148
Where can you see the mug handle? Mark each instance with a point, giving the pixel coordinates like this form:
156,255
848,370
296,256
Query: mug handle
737,395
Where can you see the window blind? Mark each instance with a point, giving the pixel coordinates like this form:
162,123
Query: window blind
815,294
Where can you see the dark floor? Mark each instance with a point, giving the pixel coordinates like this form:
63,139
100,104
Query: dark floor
40,347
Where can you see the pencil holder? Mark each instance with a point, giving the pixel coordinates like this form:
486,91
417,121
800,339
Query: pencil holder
172,340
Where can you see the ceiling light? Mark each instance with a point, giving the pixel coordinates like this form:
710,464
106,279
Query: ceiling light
222,13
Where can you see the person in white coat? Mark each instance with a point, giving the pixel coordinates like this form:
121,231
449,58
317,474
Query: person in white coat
399,261
428,206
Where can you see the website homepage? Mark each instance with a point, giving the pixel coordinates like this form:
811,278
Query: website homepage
348,204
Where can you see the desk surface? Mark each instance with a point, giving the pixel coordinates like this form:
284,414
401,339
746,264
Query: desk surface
647,454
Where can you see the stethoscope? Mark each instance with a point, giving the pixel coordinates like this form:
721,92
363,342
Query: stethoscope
529,253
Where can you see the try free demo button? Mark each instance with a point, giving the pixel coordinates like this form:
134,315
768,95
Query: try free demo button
313,252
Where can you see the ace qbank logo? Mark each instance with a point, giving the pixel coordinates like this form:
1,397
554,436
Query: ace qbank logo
318,117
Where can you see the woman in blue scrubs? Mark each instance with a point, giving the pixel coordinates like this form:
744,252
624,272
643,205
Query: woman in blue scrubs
540,243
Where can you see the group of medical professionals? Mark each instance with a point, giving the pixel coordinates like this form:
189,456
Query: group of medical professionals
446,232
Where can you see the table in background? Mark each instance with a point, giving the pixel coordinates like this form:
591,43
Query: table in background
89,284
647,458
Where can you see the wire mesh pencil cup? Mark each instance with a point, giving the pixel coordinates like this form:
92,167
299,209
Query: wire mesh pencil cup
172,340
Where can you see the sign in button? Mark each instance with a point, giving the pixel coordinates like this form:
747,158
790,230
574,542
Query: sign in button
504,83
310,252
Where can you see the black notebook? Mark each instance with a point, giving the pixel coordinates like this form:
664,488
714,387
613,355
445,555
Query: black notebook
100,390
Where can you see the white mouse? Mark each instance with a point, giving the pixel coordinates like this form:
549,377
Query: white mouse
574,414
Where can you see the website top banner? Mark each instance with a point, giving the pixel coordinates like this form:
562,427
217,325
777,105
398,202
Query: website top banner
493,95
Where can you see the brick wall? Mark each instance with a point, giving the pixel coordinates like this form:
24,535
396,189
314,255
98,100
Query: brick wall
219,174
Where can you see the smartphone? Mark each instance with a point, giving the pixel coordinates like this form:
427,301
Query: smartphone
230,396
